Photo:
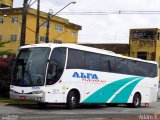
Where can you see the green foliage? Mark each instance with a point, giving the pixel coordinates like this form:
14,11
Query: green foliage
10,101
3,43
5,70
6,52
5,75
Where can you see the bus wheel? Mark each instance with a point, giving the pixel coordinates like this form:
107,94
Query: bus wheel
71,100
42,105
136,101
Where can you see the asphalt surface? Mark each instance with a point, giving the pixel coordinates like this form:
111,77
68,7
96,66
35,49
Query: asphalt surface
83,112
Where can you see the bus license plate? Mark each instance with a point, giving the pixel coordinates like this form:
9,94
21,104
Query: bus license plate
22,97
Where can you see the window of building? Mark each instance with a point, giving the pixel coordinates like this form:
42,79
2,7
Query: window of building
158,36
13,37
74,34
57,41
144,35
15,20
42,38
153,56
58,28
1,38
142,55
44,24
135,35
1,21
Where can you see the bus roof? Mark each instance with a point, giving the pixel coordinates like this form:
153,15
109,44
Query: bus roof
85,48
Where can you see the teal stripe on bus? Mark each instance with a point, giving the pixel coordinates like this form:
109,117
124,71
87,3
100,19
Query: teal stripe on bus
125,93
105,93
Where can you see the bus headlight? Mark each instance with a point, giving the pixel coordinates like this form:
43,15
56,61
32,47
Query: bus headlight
37,92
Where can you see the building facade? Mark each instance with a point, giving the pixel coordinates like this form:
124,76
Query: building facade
145,44
60,29
117,48
6,3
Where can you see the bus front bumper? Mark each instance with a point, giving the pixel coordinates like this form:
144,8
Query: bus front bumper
32,97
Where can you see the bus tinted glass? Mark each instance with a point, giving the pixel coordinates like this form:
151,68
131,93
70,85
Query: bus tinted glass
30,67
93,61
59,55
75,59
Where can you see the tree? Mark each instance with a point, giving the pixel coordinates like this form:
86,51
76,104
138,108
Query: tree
5,52
5,70
2,43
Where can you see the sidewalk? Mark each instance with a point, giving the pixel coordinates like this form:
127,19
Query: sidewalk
3,104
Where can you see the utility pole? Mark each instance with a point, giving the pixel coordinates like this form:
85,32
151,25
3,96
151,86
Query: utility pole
37,26
51,16
24,19
48,25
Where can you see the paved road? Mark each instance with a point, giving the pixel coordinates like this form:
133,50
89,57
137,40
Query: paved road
85,112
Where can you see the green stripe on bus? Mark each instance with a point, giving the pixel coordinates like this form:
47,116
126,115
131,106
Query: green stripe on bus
103,95
125,93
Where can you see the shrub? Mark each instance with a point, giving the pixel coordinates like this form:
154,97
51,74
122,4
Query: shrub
5,75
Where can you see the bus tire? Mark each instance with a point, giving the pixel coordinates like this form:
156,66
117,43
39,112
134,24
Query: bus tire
71,100
136,101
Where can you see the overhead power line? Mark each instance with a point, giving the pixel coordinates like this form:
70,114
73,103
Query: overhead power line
108,12
30,4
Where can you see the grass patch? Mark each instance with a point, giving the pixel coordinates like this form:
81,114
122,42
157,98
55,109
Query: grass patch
11,101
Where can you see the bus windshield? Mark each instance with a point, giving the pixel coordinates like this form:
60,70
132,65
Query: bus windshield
30,67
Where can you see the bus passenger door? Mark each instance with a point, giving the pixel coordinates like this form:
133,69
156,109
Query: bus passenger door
52,73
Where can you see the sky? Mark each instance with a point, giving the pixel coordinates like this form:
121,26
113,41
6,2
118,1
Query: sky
108,28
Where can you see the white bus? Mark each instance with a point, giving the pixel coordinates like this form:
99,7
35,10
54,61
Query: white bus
74,74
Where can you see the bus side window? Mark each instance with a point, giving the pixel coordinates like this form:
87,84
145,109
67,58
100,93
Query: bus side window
106,63
133,67
75,59
109,66
92,61
121,66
